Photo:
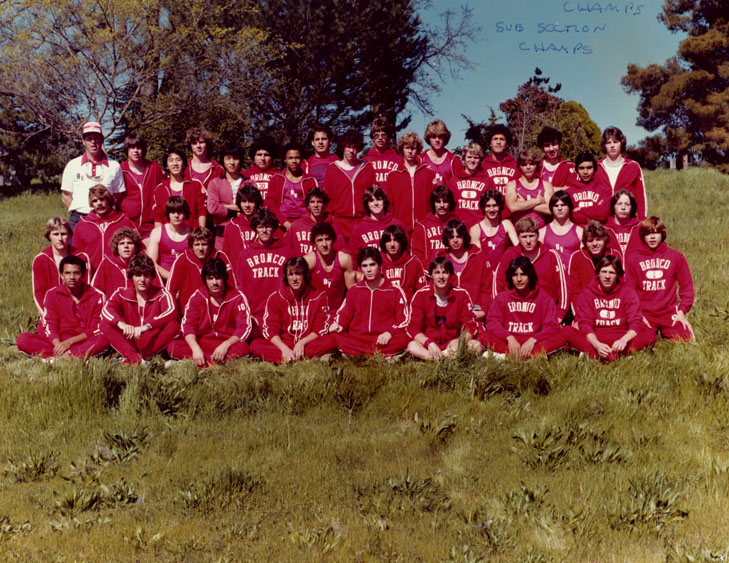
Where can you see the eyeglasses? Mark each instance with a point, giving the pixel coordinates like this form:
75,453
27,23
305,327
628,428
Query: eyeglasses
379,136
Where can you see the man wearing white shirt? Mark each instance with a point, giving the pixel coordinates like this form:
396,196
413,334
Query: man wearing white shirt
88,170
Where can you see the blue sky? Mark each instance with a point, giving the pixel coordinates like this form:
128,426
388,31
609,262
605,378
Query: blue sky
601,39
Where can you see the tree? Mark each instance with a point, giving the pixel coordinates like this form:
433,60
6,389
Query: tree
579,132
345,62
688,95
533,107
157,64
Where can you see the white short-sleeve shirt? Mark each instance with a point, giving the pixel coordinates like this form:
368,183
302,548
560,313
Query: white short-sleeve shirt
80,175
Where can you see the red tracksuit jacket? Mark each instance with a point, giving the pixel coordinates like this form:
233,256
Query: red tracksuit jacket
425,317
532,316
654,274
274,195
368,232
561,176
370,312
476,278
406,272
185,275
629,178
122,306
215,171
618,310
292,318
111,275
384,163
592,200
63,318
232,318
345,194
137,202
553,279
46,275
93,235
410,195
258,273
192,192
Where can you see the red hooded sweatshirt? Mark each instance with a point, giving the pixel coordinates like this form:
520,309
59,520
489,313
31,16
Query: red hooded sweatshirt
551,273
618,310
258,273
383,163
368,232
658,276
534,315
428,237
500,172
237,236
592,200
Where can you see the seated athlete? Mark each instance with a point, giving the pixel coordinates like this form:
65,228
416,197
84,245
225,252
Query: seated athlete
296,321
258,273
374,314
469,185
94,231
217,320
590,195
368,230
470,270
439,315
287,190
169,240
608,316
185,273
331,270
410,185
659,274
582,263
551,273
561,234
522,321
178,183
398,265
69,324
112,273
140,320
382,156
46,274
238,232
492,234
554,169
298,235
428,233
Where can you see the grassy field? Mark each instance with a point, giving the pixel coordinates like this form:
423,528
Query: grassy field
468,460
